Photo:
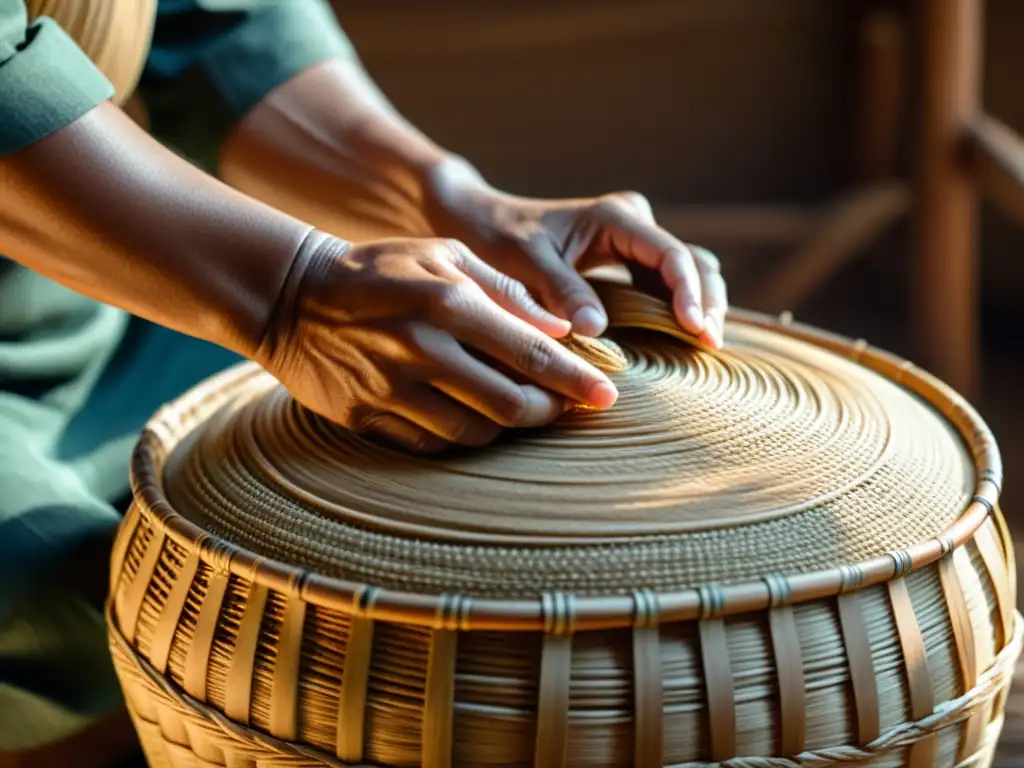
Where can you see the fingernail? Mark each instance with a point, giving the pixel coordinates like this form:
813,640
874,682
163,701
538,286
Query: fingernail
559,325
602,395
589,321
711,335
694,317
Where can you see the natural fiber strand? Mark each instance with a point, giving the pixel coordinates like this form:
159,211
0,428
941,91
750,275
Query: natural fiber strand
816,459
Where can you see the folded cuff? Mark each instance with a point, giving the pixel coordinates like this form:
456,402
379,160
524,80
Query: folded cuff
48,84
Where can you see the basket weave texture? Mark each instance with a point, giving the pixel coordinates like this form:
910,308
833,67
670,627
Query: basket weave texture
785,553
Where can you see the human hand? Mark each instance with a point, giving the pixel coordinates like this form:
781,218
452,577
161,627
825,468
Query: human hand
547,244
400,338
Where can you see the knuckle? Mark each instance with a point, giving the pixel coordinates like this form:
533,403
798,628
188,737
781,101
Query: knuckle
475,434
536,357
451,249
610,206
454,298
512,289
635,201
511,406
418,339
706,258
456,431
364,418
424,442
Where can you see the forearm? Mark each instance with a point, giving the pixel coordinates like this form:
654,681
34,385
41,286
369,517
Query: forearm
104,210
329,147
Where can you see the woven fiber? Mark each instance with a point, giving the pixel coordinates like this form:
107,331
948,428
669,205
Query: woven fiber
772,456
787,553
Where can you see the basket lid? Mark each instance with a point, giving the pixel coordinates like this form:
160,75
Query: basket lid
775,455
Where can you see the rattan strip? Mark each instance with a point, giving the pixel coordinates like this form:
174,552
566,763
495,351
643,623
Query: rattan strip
355,677
1006,540
862,669
167,626
134,594
439,701
963,634
648,696
1009,561
790,675
122,542
995,568
553,701
234,738
197,662
718,681
919,681
169,426
284,704
243,657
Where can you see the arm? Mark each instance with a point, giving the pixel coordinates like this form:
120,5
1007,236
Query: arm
101,208
376,337
92,202
328,146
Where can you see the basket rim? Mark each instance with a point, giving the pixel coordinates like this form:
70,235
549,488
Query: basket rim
566,613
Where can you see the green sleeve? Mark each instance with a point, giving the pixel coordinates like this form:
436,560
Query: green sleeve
46,81
214,60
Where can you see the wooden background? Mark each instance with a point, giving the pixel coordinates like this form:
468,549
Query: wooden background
695,101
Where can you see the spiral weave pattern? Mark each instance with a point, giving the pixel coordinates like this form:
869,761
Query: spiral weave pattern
771,456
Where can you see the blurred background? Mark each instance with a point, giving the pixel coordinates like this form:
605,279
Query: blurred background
787,135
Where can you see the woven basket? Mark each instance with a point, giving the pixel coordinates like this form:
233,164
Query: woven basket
785,553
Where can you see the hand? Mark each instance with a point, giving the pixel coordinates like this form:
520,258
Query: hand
547,244
392,337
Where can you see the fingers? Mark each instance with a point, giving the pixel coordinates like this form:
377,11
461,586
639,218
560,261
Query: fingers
690,272
635,237
486,327
423,420
471,404
469,407
567,292
403,434
716,301
509,294
487,391
442,416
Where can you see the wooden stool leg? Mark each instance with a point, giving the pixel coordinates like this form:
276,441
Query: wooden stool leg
944,274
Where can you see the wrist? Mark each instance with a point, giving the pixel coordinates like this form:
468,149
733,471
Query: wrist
452,190
314,256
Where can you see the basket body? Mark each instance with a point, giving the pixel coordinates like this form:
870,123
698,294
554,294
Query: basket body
227,658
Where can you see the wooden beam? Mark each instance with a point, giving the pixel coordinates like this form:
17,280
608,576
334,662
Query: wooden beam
881,96
997,158
944,273
738,226
842,232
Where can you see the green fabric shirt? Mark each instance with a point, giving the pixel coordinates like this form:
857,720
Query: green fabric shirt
78,379
210,62
46,81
